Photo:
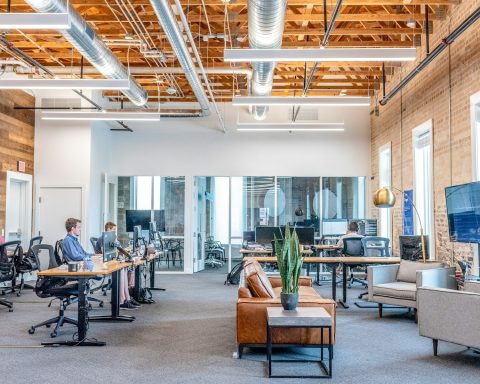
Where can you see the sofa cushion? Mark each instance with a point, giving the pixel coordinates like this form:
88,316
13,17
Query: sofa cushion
397,290
407,271
257,281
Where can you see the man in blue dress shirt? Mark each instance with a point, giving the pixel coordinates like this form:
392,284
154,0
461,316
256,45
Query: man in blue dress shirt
72,249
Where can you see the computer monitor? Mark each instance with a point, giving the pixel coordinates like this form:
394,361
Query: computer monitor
265,235
306,235
109,245
249,236
334,227
411,247
137,217
366,227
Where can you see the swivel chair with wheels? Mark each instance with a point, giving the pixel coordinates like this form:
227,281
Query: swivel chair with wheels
7,267
26,263
375,246
10,252
352,246
63,289
93,241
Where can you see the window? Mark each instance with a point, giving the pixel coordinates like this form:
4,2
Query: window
385,180
475,113
343,197
423,180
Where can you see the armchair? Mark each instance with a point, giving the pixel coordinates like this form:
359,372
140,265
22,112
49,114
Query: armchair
397,284
450,315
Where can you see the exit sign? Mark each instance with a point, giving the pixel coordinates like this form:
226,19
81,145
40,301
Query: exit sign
21,166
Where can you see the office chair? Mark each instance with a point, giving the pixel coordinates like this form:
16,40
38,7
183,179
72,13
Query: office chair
375,246
63,289
93,241
60,259
352,246
10,252
7,267
26,263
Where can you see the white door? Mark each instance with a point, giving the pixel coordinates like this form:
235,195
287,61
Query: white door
55,205
199,225
18,213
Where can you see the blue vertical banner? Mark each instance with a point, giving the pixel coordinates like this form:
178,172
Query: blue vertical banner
408,212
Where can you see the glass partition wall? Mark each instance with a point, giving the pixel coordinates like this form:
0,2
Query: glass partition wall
162,200
229,208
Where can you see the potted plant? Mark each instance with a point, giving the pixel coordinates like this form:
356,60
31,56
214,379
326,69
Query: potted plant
289,261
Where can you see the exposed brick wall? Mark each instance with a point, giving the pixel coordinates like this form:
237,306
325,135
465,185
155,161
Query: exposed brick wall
440,93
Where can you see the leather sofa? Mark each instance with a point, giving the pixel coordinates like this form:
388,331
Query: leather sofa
256,292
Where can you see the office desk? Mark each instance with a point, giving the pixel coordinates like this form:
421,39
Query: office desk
260,252
99,268
334,262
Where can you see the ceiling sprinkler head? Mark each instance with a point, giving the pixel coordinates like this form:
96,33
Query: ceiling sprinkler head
171,90
411,23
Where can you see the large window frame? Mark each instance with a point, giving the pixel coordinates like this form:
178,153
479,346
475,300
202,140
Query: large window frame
475,125
422,137
385,180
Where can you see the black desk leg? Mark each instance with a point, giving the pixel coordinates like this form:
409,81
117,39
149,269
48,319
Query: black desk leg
137,287
115,308
82,321
334,282
152,277
343,302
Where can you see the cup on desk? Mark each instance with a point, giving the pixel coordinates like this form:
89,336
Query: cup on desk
72,267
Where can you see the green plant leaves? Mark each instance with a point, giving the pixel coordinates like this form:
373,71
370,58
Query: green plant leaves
289,260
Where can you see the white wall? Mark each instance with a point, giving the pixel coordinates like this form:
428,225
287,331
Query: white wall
197,147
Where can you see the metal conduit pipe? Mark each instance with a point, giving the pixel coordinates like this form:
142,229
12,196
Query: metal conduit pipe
85,40
168,21
433,54
266,19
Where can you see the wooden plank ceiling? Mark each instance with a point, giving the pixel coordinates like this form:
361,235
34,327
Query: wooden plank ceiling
361,23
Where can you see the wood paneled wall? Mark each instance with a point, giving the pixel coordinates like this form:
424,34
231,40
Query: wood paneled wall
17,129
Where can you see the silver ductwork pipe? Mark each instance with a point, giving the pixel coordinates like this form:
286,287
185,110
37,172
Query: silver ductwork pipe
85,40
169,23
266,19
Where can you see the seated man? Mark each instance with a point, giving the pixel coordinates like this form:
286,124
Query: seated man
72,249
126,302
352,231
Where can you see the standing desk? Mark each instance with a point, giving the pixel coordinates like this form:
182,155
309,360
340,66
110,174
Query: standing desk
334,262
112,267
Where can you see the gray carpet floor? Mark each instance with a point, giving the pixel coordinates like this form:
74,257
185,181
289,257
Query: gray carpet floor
188,336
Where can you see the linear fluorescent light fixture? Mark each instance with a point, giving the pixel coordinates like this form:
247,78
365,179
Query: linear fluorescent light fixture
101,116
290,127
34,21
352,101
109,84
320,54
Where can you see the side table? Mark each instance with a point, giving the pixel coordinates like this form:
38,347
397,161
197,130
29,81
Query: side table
302,317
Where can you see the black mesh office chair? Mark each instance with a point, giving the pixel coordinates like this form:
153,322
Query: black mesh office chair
375,246
93,241
26,263
8,252
63,289
352,246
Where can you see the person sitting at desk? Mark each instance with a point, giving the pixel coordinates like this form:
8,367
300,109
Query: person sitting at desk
72,249
352,231
126,301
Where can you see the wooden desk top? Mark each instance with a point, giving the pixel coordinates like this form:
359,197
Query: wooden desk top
326,246
267,252
337,259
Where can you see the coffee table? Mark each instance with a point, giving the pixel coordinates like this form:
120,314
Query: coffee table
302,317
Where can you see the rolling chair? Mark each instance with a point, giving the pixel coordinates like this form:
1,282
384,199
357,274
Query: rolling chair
352,246
60,259
64,290
7,268
93,241
10,252
26,263
375,246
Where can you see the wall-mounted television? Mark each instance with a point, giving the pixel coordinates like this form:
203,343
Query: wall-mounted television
463,212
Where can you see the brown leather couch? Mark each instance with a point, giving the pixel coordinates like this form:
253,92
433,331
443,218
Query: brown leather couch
256,292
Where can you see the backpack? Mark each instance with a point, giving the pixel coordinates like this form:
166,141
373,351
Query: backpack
233,276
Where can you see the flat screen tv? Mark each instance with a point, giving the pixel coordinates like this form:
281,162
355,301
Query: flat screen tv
137,217
463,212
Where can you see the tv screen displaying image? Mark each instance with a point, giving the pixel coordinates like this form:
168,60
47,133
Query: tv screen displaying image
463,212
137,217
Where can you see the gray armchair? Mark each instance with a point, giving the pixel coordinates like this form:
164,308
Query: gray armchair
397,284
449,315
